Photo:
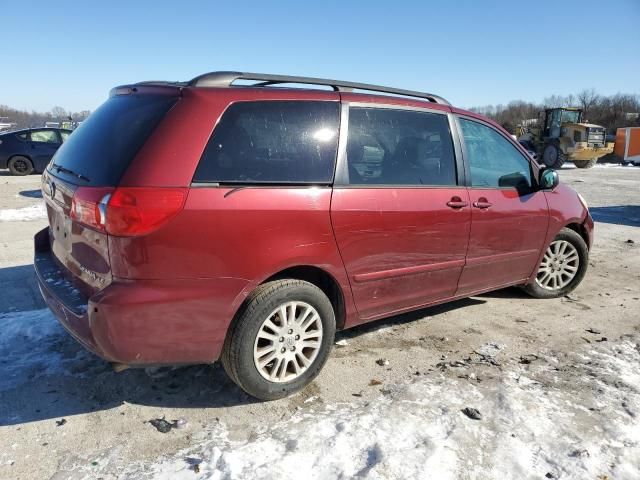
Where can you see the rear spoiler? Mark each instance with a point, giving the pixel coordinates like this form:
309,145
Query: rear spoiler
169,89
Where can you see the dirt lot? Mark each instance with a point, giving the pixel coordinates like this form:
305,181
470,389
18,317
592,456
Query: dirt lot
557,382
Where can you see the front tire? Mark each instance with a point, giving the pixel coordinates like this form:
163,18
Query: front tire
563,266
553,157
280,339
585,163
20,165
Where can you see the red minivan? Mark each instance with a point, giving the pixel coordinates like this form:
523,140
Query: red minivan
231,218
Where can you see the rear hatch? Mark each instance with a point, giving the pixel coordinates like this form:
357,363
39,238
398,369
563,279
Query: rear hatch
84,173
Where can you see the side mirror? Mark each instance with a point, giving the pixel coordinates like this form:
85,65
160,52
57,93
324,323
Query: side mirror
549,179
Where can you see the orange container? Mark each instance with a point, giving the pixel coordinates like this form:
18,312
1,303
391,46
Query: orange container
627,145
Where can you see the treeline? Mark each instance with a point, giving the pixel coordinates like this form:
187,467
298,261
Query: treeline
612,112
24,119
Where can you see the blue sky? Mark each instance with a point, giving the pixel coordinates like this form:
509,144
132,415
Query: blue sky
471,52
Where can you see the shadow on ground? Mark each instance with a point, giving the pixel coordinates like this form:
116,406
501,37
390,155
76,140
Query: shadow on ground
31,193
617,214
18,290
7,173
79,382
88,384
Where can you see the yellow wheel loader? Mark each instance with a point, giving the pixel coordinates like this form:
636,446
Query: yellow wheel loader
562,135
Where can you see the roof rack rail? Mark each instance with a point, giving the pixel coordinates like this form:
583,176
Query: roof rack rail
225,79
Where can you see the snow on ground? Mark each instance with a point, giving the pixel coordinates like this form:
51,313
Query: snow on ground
25,214
567,417
615,165
33,345
570,166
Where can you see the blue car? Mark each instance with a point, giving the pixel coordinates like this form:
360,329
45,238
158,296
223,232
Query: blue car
28,151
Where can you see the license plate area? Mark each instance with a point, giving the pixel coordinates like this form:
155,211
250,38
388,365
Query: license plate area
61,231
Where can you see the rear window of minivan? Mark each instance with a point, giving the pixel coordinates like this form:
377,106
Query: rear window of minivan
272,142
100,150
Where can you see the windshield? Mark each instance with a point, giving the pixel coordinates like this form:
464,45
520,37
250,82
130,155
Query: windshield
570,116
100,150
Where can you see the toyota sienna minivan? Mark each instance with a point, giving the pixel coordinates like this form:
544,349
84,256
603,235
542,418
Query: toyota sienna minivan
232,218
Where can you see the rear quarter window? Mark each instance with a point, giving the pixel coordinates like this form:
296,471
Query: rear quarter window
287,142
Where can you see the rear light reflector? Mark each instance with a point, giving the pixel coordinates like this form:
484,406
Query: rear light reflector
88,205
126,211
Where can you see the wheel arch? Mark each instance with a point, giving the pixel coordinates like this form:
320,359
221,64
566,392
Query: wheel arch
580,230
19,155
28,157
321,279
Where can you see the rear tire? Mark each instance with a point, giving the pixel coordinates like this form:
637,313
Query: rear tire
585,163
269,353
20,165
563,266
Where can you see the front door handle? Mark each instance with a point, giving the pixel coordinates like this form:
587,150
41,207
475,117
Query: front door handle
482,203
457,202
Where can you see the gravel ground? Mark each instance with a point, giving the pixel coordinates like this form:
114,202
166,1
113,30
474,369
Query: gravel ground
65,414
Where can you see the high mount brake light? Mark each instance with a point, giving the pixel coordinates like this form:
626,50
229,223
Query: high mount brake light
126,211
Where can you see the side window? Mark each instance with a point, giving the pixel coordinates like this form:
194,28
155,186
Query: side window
399,147
64,135
22,136
44,136
493,160
273,142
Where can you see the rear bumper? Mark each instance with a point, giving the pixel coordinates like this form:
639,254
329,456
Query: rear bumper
142,322
67,303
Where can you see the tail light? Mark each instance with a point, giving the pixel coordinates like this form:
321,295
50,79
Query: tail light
127,211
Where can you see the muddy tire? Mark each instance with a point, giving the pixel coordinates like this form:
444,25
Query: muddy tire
280,339
553,157
585,163
563,266
20,165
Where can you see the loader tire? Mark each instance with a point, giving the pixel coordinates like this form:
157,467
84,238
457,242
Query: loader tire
585,163
553,157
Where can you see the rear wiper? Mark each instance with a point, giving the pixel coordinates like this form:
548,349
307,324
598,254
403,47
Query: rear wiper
60,168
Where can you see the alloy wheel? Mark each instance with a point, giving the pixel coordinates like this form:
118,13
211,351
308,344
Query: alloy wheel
20,166
559,265
288,342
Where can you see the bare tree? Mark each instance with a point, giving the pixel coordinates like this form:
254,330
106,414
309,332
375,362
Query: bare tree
612,112
587,99
24,119
59,113
554,101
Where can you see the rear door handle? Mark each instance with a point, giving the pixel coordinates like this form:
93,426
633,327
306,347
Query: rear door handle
457,202
482,203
